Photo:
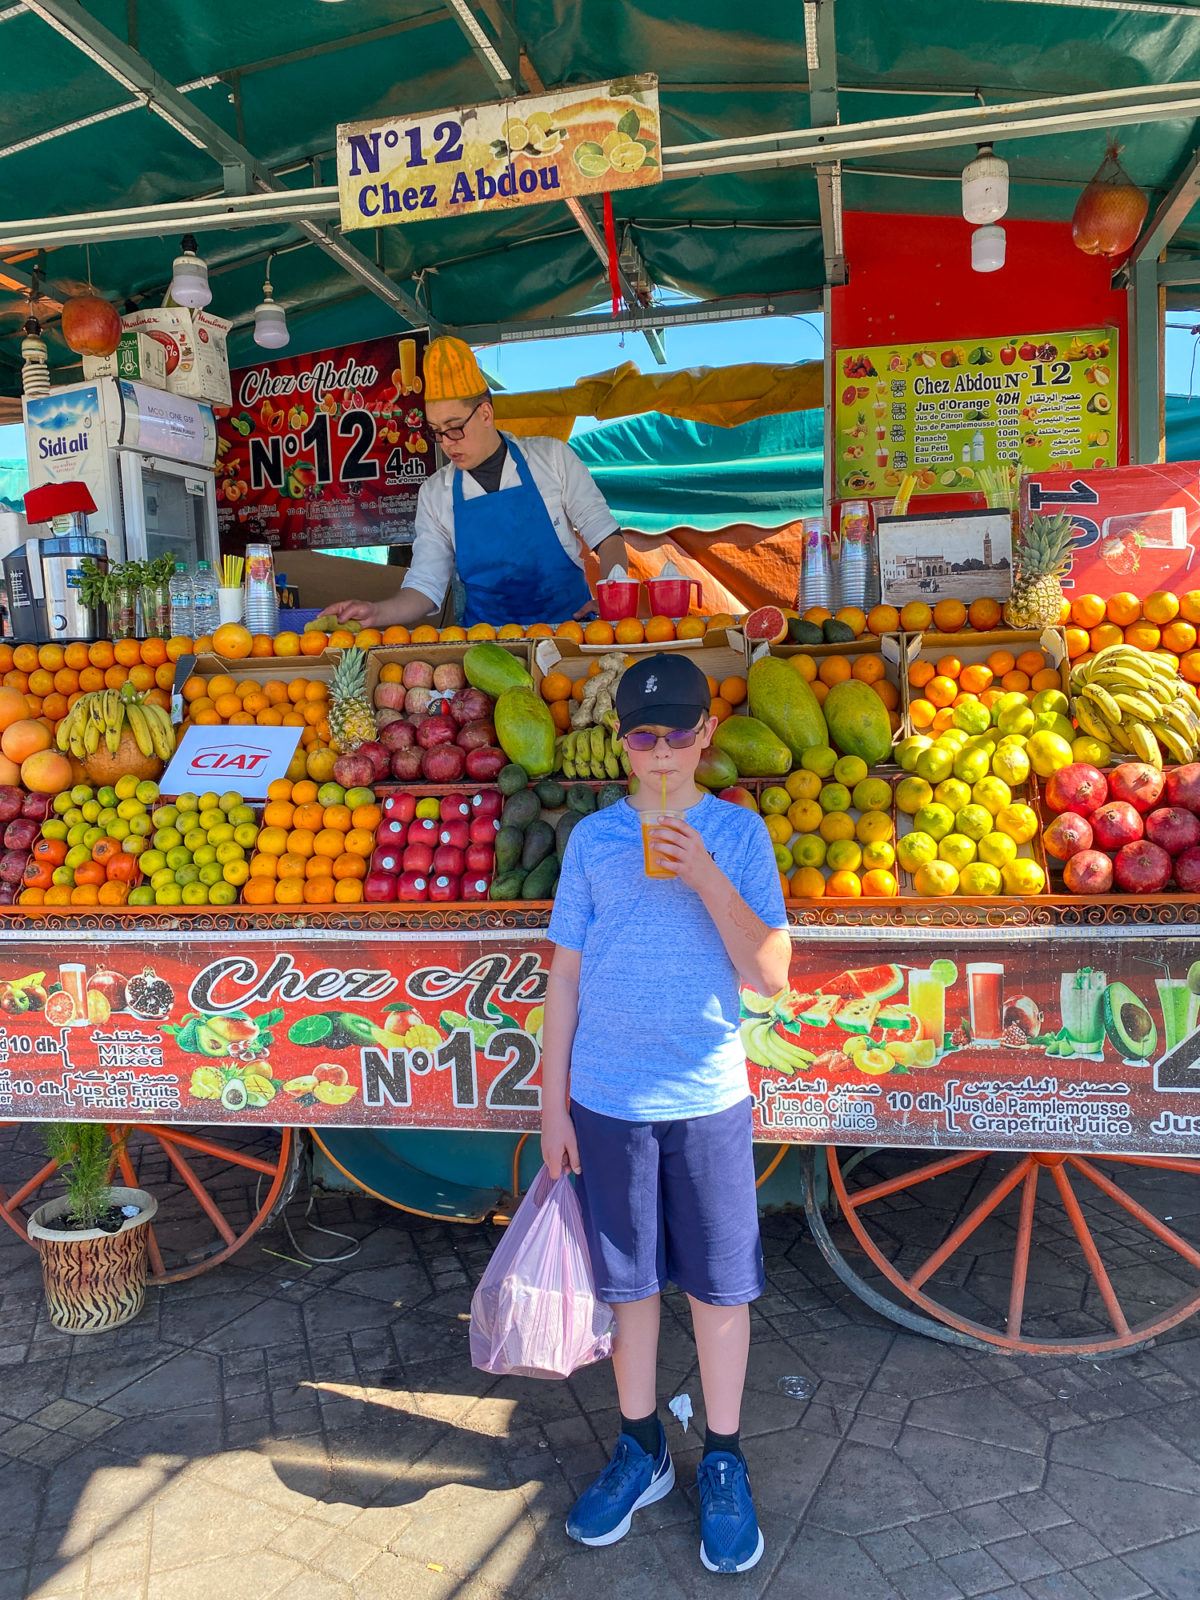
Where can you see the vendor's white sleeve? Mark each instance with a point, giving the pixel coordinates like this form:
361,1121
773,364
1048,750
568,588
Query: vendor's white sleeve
433,547
585,506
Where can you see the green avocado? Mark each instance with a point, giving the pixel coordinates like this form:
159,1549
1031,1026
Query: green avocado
520,810
1099,402
1128,1023
836,632
801,632
209,1042
233,1095
552,795
512,779
581,799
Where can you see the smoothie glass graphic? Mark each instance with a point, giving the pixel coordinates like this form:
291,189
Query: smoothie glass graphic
1180,1010
985,988
927,1002
1081,1001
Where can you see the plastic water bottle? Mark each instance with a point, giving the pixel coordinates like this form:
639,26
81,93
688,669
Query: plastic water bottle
179,590
205,615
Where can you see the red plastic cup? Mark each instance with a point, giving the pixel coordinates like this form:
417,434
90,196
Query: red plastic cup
617,598
670,597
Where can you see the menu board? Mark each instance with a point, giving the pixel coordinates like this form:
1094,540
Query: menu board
950,413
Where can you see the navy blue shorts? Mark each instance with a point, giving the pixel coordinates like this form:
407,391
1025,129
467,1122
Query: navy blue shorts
671,1202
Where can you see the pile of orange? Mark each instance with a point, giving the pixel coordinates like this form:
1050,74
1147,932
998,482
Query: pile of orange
274,703
53,676
103,880
1163,622
869,669
307,853
940,685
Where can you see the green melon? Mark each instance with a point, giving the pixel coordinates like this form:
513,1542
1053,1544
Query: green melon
779,696
858,722
756,752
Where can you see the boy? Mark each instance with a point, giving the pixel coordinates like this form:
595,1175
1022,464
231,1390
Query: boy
645,1096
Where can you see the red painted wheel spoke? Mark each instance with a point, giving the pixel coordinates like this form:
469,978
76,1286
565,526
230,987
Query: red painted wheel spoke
1161,1163
131,1178
208,1147
969,1224
1016,1298
1090,1253
908,1180
1129,1204
19,1195
203,1199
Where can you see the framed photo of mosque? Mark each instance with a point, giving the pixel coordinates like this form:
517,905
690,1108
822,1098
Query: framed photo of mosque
950,555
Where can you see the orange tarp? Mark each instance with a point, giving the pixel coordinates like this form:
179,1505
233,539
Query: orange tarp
739,567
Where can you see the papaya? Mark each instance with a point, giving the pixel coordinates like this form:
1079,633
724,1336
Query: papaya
490,667
779,696
716,769
525,730
858,722
755,751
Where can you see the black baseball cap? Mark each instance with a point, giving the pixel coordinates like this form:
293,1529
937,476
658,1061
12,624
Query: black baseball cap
665,689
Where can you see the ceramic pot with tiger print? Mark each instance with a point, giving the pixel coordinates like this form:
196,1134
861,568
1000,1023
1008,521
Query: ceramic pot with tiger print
94,1280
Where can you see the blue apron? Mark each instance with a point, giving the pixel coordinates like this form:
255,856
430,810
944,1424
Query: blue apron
509,557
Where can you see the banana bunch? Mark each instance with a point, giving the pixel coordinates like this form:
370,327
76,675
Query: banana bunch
591,753
763,1045
1137,703
103,716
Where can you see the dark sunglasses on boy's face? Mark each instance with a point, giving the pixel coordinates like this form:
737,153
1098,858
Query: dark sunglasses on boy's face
677,739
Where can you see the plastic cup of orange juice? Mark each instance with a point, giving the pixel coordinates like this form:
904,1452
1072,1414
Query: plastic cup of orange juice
652,822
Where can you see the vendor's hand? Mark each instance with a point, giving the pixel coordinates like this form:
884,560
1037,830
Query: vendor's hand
560,1150
679,846
354,611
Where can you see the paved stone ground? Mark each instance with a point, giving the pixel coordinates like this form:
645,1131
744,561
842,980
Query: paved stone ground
271,1429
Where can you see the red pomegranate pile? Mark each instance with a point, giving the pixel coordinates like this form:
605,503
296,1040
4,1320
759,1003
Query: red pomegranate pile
1136,830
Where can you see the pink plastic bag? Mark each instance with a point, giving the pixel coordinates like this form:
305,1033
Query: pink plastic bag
535,1312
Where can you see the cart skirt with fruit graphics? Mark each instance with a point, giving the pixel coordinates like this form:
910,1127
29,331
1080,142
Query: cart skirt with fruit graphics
987,1100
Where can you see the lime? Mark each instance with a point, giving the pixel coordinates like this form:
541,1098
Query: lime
972,716
178,856
195,894
187,801
953,739
211,873
107,796
211,817
935,764
819,759
935,819
222,894
590,159
1053,700
1017,719
143,895
872,794
783,858
146,791
834,797
909,749
878,854
844,855
975,821
187,874
912,794
310,1030
971,765
850,770
210,800
774,800
205,855
809,850
944,971
170,894
914,850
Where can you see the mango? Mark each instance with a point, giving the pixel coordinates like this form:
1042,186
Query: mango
756,752
780,697
716,770
858,722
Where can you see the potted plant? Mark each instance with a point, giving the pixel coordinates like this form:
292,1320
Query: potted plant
92,1239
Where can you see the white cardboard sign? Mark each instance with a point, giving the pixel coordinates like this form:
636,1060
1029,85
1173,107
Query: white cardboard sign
219,758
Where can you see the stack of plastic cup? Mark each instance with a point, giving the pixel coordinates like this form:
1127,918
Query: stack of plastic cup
261,609
816,567
858,563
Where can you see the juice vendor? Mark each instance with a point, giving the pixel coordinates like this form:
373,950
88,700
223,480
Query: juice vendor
509,517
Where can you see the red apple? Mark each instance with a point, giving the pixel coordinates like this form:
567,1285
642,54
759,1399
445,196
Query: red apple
448,858
476,735
739,797
388,858
445,887
412,886
1067,835
442,763
479,858
1090,872
417,675
1079,787
1137,782
406,764
417,858
1173,829
1181,788
454,808
1116,824
1187,871
400,807
474,888
457,832
483,766
483,830
449,677
400,735
487,803
392,832
472,705
380,886
1142,868
424,830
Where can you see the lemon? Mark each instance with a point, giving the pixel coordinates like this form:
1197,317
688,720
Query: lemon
872,826
802,785
997,849
834,797
909,749
936,879
774,800
1017,719
1093,751
1019,822
850,770
805,815
912,794
1023,877
924,1052
1049,723
837,825
980,878
1048,752
972,716
971,765
809,850
540,122
779,828
935,764
845,855
517,135
878,853
872,794
936,820
953,792
819,759
874,1061
914,850
1011,763
957,849
628,157
953,739
975,821
1051,700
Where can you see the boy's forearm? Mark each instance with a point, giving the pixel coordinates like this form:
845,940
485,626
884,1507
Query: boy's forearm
761,956
558,1034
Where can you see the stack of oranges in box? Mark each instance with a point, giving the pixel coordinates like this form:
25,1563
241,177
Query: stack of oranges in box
275,703
1163,622
314,845
53,676
938,686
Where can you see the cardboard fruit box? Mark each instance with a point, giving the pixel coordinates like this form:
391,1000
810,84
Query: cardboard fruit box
972,648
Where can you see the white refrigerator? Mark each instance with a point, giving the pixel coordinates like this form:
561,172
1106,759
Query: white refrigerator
147,457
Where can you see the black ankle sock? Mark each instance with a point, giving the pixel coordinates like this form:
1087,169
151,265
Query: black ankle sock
644,1431
730,1442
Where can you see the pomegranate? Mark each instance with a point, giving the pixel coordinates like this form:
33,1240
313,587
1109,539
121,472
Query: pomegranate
1187,871
449,677
90,326
1137,782
36,806
406,764
20,833
1079,787
12,866
417,675
418,701
353,770
472,705
436,730
1090,872
398,736
1173,829
1067,835
1181,787
443,763
483,766
11,801
1116,824
1142,868
390,697
476,735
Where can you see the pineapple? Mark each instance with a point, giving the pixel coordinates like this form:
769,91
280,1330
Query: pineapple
1040,560
351,719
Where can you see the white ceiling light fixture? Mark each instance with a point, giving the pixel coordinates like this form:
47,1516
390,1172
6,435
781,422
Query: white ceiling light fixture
987,249
270,319
189,277
985,186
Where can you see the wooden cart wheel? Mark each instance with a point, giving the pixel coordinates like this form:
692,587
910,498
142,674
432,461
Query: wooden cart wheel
1032,1254
215,1187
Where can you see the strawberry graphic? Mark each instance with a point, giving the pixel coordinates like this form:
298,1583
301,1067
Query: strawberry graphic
1121,555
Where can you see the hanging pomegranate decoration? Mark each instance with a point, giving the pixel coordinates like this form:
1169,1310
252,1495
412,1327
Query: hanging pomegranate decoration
1109,213
90,326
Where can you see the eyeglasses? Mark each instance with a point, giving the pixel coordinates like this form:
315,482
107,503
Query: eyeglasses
438,434
677,739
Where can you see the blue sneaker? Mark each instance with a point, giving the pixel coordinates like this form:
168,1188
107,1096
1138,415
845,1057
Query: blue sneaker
730,1538
632,1479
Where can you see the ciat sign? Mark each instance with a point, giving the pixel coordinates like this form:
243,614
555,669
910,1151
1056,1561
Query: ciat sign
209,758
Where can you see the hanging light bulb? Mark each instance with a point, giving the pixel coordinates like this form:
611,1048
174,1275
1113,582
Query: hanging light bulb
270,319
35,373
189,277
985,186
987,249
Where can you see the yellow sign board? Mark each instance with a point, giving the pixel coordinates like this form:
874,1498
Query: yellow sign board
943,410
522,152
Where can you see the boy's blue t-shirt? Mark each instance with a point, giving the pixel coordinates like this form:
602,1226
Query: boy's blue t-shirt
658,995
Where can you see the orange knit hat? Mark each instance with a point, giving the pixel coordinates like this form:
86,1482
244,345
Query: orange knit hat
451,371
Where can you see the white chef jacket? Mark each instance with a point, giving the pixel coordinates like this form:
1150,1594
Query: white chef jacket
573,502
